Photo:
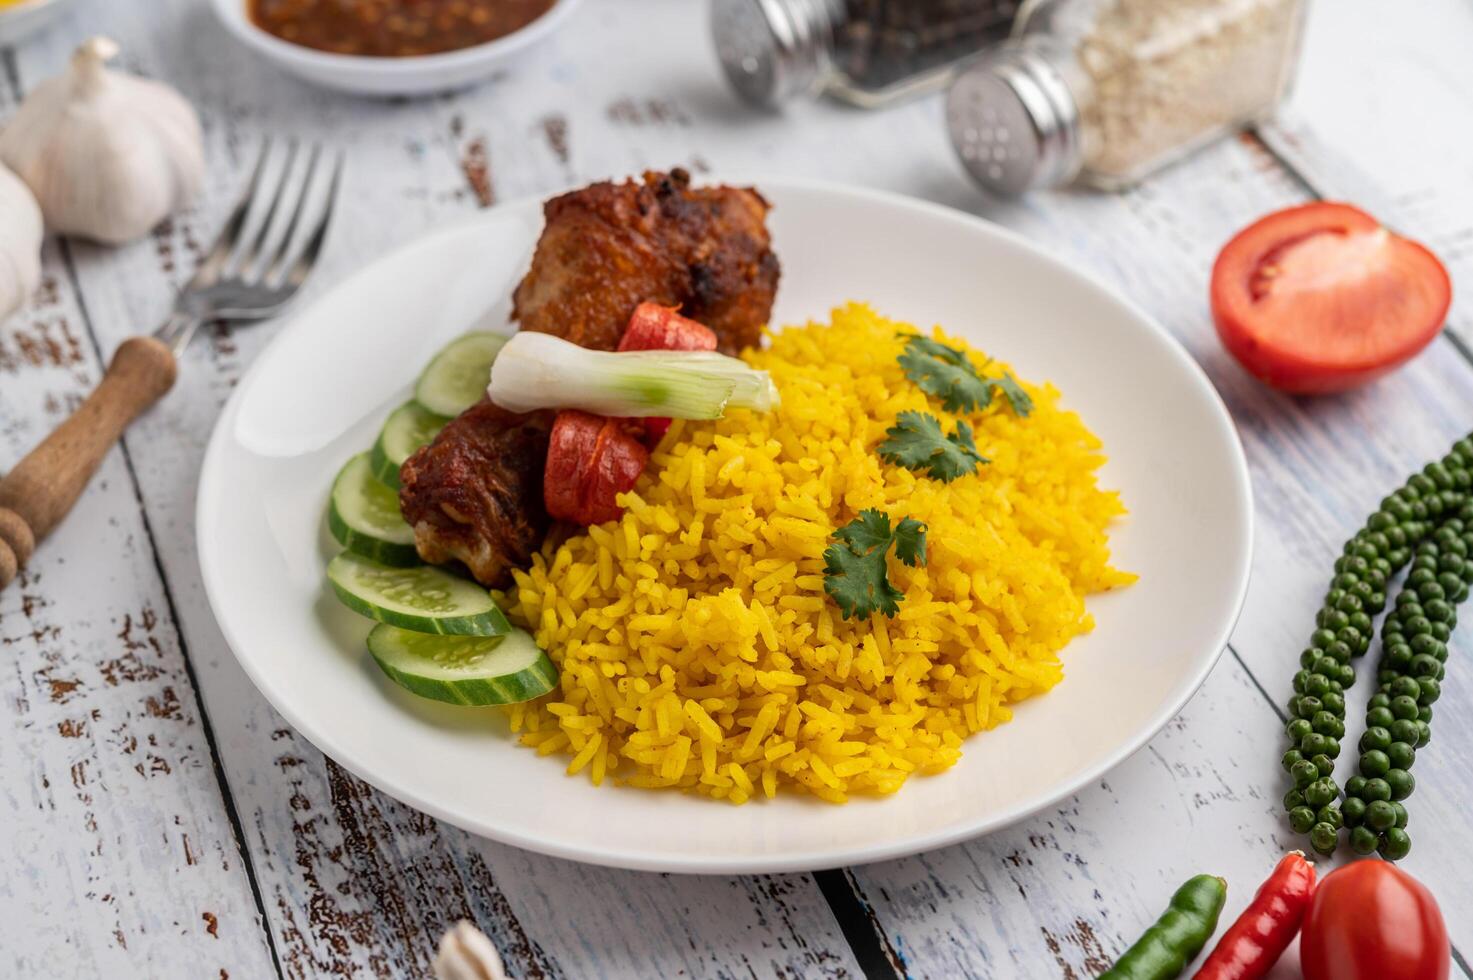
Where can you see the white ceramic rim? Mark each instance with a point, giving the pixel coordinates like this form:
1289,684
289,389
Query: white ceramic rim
812,860
233,14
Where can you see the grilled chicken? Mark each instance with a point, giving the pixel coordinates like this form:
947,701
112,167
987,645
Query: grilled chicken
475,493
608,247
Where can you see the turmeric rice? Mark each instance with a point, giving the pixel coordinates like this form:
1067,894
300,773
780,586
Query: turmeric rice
697,646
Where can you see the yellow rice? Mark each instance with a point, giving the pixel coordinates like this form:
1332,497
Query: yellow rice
697,646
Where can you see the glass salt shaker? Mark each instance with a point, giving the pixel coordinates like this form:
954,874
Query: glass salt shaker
870,53
1103,92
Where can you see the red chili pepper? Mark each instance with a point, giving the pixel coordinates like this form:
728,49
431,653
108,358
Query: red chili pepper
1254,943
656,327
590,461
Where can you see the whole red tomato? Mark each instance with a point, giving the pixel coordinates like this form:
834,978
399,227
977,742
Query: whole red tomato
1372,921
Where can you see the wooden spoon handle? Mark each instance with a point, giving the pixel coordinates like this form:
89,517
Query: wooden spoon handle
42,488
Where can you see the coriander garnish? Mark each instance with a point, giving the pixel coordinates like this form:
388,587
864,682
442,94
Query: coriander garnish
947,373
917,442
855,574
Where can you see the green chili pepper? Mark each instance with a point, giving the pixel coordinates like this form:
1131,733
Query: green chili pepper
1177,936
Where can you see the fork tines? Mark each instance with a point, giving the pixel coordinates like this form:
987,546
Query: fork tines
269,240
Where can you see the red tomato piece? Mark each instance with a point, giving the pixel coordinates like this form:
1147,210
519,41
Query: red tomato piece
1372,921
590,461
569,451
1321,298
654,431
656,327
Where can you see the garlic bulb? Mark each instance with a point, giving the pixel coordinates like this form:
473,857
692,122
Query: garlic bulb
20,243
466,954
107,155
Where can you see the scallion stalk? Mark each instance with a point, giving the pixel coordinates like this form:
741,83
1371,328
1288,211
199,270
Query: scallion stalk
538,370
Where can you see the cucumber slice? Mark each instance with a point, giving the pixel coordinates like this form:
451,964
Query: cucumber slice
456,379
424,599
408,427
364,516
464,669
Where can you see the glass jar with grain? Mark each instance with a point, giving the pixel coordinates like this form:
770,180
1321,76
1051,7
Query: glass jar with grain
869,53
1104,92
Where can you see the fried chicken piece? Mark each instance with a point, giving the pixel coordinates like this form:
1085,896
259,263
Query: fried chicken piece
608,247
475,493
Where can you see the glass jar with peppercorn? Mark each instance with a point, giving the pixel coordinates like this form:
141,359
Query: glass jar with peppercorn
1104,92
870,53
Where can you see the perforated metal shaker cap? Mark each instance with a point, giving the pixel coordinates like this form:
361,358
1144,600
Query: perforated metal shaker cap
773,50
1014,121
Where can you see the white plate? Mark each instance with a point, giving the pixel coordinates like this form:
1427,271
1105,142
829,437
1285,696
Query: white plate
319,392
391,76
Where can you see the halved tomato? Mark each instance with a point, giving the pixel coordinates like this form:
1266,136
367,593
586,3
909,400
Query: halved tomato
1322,298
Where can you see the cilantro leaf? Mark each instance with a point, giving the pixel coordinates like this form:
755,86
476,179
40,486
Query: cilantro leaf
946,373
1021,401
910,542
870,530
859,583
916,442
935,348
958,387
855,574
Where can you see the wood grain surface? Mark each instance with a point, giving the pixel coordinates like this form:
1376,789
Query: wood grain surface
166,822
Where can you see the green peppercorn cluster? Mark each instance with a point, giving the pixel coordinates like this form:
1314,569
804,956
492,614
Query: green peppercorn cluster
1431,515
1413,656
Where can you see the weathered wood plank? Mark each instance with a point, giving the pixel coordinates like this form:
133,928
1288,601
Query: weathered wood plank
1379,119
356,883
119,857
1064,893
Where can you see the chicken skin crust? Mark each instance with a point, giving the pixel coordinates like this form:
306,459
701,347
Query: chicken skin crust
608,247
475,493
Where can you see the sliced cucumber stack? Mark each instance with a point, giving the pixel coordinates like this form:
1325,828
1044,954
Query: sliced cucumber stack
424,599
364,516
440,636
408,427
470,670
457,378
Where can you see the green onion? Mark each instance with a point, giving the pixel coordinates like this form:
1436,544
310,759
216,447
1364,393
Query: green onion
538,370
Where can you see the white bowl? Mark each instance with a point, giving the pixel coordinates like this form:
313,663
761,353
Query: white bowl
1174,455
20,22
418,75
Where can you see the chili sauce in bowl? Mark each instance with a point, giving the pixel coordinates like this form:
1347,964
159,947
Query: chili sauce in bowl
393,28
392,47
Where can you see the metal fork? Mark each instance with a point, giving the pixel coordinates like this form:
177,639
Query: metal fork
240,280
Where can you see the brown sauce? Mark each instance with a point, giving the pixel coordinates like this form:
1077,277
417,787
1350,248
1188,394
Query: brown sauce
393,28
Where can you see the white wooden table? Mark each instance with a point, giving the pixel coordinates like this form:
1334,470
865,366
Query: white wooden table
160,820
